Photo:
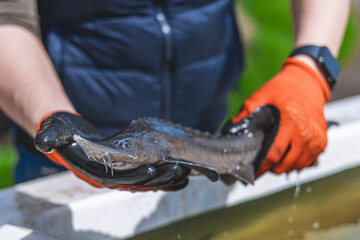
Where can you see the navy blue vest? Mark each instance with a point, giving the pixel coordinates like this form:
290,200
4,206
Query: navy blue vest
124,59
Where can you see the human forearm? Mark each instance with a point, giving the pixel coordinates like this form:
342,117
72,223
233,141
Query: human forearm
29,86
320,22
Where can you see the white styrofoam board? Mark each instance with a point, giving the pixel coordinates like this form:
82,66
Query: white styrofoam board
11,232
343,111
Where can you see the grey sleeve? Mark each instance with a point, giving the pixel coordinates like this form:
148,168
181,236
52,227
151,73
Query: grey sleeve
20,12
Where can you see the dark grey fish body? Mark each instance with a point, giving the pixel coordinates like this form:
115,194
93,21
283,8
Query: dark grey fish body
220,152
153,141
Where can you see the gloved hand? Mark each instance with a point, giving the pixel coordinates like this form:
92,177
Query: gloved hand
55,139
299,94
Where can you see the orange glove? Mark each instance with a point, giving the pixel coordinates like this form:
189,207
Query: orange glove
299,93
54,139
56,158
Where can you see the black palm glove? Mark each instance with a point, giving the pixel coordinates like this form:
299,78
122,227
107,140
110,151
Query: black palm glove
55,139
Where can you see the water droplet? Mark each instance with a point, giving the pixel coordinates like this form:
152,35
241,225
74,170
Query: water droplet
160,16
250,135
224,234
298,186
297,191
290,220
166,29
238,168
294,207
290,232
179,236
316,225
309,189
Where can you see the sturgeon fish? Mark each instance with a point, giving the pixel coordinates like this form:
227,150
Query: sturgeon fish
153,141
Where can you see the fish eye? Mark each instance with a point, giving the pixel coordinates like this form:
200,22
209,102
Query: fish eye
127,143
119,143
122,143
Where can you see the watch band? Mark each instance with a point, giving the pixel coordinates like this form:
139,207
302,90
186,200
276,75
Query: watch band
326,62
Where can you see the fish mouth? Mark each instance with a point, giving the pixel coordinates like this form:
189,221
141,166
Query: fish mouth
105,155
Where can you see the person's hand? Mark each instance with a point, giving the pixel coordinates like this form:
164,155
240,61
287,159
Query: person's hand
299,94
55,139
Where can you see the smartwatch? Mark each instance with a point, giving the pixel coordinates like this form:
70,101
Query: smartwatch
328,65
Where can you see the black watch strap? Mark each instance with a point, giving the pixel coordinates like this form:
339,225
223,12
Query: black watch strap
326,62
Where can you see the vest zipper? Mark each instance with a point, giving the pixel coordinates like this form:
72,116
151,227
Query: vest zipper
167,57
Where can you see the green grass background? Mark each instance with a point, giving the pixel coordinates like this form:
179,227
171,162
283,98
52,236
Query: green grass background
272,41
7,162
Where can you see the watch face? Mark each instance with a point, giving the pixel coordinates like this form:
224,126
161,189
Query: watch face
329,64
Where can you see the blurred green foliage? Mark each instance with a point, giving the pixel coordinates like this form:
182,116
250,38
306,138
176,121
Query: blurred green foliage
271,45
7,163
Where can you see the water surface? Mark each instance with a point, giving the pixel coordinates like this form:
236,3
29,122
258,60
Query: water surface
325,209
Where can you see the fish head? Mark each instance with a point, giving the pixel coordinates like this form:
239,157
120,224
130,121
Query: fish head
122,151
118,153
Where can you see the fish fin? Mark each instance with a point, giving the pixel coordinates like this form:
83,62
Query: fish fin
228,179
210,172
245,173
331,123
